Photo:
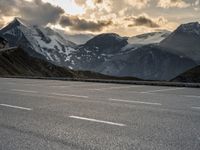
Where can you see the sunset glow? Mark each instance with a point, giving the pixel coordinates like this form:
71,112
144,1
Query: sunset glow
127,17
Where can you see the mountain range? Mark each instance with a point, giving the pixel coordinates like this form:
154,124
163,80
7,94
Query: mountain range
152,56
17,62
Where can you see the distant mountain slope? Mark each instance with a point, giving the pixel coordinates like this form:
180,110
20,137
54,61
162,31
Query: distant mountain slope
184,41
17,62
149,38
149,62
107,54
191,75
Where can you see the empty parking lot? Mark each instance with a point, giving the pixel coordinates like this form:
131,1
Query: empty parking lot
47,114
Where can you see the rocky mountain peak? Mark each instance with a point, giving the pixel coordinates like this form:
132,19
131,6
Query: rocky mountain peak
107,40
191,28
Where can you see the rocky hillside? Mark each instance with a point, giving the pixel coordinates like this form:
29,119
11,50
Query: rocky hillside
16,62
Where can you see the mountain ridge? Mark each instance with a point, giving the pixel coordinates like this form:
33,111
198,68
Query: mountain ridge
185,41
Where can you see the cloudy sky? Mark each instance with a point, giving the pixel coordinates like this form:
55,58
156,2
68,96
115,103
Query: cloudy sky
125,17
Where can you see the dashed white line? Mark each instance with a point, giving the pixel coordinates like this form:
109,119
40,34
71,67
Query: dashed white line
136,102
69,95
169,89
25,91
196,108
82,85
110,88
98,121
17,107
57,86
192,96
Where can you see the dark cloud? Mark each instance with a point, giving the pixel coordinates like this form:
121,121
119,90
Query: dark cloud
83,2
80,2
142,21
175,1
36,11
98,1
75,23
41,13
8,7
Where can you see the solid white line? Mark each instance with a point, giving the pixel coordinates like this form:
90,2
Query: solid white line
17,107
26,91
99,121
169,89
136,102
196,108
110,88
78,96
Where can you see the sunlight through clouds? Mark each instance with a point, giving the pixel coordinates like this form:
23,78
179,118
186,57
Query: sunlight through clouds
99,16
68,5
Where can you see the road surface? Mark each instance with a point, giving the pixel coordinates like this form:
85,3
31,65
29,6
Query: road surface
62,115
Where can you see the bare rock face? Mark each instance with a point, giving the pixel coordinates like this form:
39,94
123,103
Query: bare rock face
3,43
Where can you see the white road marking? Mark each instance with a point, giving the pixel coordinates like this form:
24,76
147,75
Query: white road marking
17,107
69,95
110,88
99,121
136,102
169,89
61,86
26,84
196,108
81,85
192,96
25,91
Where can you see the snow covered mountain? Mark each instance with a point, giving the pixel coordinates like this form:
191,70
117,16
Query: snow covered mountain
141,56
145,39
184,41
38,41
149,38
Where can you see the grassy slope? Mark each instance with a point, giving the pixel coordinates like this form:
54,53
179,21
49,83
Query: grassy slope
192,75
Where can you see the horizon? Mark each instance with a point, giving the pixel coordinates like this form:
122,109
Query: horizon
130,18
71,34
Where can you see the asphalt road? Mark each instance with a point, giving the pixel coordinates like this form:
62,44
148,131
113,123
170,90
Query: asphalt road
59,115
